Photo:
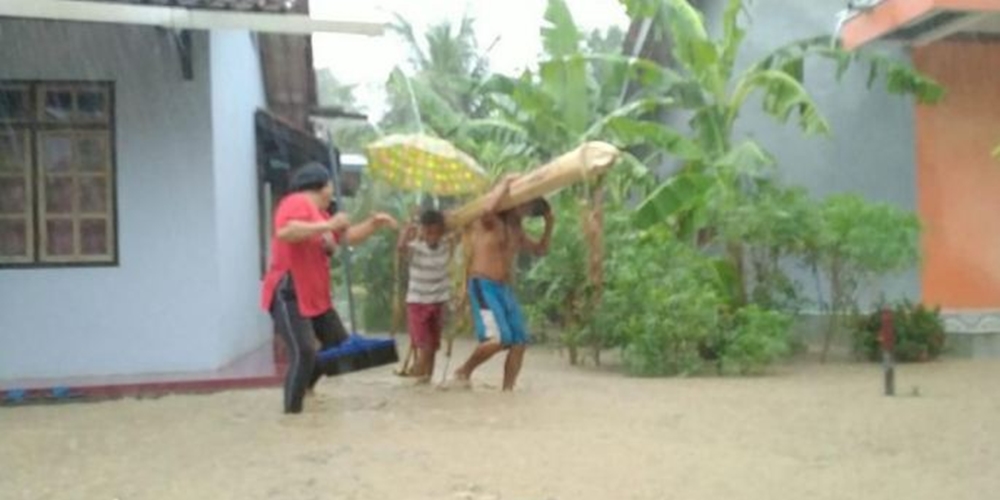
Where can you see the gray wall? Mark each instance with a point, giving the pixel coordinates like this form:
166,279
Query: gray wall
164,308
871,150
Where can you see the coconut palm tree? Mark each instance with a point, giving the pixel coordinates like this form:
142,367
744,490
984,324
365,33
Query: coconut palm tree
440,81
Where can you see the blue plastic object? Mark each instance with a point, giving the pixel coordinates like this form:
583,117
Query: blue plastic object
16,395
61,392
357,353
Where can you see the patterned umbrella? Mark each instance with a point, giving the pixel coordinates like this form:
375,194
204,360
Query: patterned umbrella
425,164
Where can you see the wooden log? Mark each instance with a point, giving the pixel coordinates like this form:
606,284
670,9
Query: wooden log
588,161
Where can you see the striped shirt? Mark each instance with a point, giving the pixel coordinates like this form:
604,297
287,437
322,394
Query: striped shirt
430,282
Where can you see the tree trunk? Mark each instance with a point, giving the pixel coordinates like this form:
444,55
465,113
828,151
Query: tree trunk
574,355
593,231
836,303
736,255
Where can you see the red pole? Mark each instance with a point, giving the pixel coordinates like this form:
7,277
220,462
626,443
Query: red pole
887,337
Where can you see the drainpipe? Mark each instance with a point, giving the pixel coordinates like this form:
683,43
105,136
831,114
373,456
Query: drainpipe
842,18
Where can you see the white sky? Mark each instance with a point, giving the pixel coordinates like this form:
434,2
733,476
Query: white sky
367,61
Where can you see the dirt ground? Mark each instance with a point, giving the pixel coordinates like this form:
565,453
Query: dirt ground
805,432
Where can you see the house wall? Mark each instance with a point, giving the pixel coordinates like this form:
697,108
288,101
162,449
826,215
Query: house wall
958,179
164,308
237,92
871,150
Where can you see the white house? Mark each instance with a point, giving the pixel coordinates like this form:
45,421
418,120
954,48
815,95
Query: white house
130,237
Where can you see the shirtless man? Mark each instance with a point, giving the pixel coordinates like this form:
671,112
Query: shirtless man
497,238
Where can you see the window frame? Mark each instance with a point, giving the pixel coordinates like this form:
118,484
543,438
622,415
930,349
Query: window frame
34,128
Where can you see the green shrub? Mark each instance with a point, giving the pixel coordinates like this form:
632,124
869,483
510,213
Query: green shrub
857,243
919,333
755,339
557,290
665,303
373,270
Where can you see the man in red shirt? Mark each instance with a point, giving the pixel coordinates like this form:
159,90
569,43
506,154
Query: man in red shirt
296,288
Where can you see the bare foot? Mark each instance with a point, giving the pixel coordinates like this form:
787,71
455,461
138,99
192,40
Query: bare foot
458,380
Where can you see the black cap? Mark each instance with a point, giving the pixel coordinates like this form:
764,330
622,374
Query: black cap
310,176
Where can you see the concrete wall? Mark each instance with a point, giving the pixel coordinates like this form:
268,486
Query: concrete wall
871,150
164,308
237,92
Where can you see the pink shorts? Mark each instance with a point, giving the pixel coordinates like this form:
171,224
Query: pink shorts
425,322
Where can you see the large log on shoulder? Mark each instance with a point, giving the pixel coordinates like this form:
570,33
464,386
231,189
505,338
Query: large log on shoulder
588,161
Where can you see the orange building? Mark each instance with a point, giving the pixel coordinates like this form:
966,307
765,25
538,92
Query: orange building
956,42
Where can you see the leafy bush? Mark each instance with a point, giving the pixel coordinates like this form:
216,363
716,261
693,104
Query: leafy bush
755,339
857,242
663,297
676,316
919,333
767,224
557,288
372,263
373,270
665,304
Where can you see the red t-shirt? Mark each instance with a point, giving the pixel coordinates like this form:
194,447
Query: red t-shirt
306,260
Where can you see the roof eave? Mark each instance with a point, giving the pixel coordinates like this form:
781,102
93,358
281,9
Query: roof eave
891,19
184,18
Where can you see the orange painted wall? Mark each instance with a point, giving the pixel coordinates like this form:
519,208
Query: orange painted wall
958,181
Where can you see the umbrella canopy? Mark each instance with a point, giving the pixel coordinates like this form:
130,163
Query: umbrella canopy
426,164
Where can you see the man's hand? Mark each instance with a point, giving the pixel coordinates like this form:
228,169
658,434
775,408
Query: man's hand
499,192
510,178
328,244
383,219
549,216
338,222
408,234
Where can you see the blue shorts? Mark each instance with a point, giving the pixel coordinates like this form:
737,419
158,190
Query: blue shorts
496,313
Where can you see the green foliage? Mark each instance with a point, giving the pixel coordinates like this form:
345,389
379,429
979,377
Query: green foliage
609,41
556,288
765,228
441,86
723,197
860,240
694,276
708,86
373,268
756,339
665,305
375,281
857,241
664,298
578,94
919,333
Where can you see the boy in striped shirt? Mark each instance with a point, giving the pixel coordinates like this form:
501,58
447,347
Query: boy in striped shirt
429,288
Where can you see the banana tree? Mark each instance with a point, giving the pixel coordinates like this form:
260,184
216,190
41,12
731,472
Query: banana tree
575,95
708,86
